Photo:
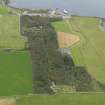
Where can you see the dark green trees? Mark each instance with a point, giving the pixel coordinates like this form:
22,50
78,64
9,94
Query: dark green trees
47,62
51,64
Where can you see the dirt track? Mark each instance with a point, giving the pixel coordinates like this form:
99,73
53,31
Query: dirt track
66,40
7,101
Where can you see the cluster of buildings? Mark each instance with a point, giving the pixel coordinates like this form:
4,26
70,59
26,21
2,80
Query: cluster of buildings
51,13
61,13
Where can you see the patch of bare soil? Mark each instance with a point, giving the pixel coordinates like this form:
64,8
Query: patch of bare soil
7,101
66,40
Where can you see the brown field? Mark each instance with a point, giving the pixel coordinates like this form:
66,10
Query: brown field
66,40
7,101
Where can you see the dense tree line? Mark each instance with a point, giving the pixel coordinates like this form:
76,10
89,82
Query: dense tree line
43,46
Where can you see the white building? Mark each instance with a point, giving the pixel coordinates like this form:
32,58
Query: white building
65,11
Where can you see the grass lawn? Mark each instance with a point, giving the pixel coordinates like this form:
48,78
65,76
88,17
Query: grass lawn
9,32
62,26
3,10
90,52
15,73
64,99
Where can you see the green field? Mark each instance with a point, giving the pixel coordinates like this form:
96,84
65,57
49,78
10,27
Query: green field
15,67
15,73
9,32
90,51
64,99
3,11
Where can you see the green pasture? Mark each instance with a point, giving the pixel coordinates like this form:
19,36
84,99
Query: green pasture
3,10
90,51
15,73
64,99
9,33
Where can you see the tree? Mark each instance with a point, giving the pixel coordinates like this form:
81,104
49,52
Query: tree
4,2
48,64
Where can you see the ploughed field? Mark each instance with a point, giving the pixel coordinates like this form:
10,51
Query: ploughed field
66,40
7,101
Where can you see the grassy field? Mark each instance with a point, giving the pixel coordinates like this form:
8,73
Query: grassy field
15,73
9,32
64,99
3,11
90,52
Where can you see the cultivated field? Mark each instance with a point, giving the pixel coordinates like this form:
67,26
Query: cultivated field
66,40
7,101
9,32
90,52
